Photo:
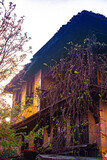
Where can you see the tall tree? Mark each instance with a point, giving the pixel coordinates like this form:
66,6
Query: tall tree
12,52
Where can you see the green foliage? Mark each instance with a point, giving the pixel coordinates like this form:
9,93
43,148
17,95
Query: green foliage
6,154
8,138
76,72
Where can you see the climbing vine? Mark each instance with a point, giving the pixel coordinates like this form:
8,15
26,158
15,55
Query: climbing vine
72,88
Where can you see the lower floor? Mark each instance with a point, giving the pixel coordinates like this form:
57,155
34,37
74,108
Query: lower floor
59,132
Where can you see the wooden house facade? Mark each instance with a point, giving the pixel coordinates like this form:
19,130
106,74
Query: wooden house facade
63,90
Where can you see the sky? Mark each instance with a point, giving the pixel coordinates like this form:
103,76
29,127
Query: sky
43,18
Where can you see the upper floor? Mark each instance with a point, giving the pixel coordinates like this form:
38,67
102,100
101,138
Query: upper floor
75,78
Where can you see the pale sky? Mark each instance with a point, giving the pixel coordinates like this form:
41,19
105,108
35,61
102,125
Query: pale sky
43,18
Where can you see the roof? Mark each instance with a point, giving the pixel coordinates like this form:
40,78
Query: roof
81,26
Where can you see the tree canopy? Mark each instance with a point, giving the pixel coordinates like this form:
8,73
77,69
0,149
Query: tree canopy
12,40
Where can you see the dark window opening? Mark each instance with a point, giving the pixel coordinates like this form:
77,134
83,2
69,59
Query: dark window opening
79,130
29,91
18,100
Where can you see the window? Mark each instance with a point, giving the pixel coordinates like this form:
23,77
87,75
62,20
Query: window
29,91
17,100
